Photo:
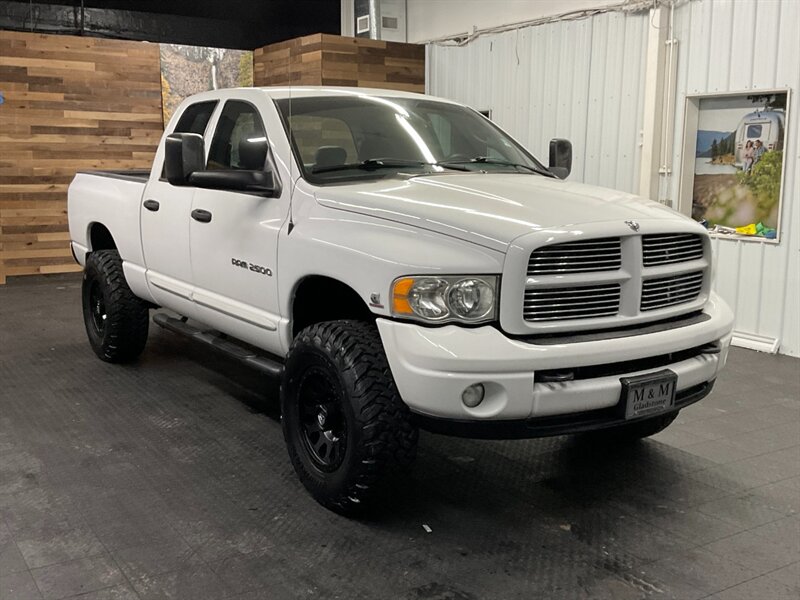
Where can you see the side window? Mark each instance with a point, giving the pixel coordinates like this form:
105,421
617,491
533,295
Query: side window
195,118
240,141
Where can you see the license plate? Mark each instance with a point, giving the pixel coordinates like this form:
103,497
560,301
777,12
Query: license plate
648,394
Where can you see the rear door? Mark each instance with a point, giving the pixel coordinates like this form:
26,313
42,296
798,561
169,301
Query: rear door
165,219
235,241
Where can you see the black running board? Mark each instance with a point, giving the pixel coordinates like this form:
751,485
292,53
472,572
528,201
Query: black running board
219,341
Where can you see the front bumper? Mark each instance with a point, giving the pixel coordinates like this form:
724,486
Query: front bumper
433,366
592,420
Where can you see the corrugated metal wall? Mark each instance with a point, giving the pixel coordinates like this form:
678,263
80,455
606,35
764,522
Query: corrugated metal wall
730,46
580,80
583,80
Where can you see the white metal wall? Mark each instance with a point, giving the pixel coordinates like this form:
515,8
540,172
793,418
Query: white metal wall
430,20
580,80
730,46
583,80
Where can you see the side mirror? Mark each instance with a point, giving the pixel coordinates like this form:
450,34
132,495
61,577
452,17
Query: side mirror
184,154
238,180
560,157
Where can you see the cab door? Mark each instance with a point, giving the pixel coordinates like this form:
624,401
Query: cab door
234,235
165,223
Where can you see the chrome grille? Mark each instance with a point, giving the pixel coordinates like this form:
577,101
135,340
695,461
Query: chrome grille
666,248
668,291
576,257
584,302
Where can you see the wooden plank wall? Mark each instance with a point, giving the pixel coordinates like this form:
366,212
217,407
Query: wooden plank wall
324,59
76,103
71,103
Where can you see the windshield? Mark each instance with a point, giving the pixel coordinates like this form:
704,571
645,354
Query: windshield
356,136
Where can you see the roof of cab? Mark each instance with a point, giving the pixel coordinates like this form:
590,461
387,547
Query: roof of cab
305,91
325,90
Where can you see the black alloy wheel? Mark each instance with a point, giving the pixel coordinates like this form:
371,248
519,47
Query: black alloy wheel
97,308
324,430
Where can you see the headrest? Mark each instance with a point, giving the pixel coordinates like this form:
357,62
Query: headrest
252,151
327,156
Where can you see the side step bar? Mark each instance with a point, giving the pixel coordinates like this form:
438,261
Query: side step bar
219,341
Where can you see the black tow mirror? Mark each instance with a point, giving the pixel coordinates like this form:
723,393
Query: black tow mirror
184,154
238,180
560,157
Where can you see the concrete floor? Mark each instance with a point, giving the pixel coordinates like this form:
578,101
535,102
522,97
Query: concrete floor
169,479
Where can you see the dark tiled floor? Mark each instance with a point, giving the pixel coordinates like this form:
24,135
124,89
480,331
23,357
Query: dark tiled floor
169,479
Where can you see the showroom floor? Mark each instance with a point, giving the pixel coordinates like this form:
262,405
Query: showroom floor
169,479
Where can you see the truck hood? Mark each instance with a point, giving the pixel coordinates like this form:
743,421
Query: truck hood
490,209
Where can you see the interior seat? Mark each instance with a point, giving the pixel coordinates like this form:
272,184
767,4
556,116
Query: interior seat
329,156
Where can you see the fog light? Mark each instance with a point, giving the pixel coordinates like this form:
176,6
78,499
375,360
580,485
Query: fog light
473,395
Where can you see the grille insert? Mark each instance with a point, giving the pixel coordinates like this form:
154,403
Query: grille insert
672,290
584,302
576,257
667,248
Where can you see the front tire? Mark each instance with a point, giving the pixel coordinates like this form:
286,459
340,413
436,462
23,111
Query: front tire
346,428
116,320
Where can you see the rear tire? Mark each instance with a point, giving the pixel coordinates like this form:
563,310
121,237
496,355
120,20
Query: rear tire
346,428
632,432
116,320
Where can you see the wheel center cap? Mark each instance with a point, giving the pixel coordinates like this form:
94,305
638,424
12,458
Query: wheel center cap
322,417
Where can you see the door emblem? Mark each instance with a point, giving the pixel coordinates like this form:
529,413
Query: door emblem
243,264
633,225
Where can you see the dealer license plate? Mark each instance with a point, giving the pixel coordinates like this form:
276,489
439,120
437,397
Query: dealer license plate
649,394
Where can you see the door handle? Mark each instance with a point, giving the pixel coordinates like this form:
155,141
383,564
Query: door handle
152,205
198,214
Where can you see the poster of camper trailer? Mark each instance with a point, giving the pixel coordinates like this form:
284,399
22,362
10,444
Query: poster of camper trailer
738,162
187,70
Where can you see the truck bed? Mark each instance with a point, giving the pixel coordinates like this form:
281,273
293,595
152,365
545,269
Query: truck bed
113,199
137,175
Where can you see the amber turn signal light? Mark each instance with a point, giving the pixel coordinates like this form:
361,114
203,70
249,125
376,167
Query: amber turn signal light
400,303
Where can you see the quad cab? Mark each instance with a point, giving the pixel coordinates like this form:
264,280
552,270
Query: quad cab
399,261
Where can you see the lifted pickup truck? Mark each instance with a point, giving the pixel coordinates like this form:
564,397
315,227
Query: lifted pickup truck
399,262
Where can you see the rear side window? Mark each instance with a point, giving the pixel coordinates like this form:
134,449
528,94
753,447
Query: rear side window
195,118
240,141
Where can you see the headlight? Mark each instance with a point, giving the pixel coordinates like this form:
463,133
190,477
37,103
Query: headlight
441,299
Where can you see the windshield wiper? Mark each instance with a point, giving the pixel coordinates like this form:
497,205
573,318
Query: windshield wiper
493,161
373,164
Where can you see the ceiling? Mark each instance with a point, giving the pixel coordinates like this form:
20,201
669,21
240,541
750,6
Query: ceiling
230,23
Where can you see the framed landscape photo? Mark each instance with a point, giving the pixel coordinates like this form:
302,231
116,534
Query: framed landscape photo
733,162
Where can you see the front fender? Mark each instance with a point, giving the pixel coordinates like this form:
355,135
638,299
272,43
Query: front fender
368,253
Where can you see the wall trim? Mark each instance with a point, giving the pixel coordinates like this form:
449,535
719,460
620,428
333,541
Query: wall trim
753,341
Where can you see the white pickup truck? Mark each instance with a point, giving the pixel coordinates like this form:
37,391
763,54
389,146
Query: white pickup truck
399,262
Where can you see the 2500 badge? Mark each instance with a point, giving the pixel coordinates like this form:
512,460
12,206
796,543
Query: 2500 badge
243,264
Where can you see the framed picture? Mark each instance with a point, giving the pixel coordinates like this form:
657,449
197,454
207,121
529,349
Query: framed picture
733,162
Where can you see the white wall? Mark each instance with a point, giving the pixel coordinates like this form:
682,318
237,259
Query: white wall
583,80
730,46
434,19
580,80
